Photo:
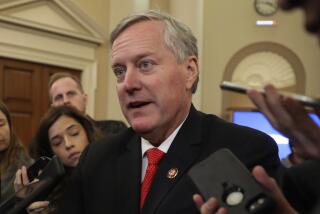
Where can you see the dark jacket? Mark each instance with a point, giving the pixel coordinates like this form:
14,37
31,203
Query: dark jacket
110,126
300,184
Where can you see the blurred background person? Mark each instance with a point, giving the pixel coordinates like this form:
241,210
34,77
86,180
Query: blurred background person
63,132
12,153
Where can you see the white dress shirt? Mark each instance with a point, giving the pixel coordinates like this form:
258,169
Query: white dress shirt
164,147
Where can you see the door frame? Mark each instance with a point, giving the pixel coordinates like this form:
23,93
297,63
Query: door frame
69,59
36,42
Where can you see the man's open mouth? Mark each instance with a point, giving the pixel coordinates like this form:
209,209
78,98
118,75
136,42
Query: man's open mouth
137,104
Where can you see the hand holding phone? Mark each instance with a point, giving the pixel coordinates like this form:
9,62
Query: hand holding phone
26,176
35,191
224,177
34,170
303,99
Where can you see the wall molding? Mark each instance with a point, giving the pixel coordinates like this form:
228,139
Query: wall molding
68,38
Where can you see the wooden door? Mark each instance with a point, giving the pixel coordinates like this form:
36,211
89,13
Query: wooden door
24,89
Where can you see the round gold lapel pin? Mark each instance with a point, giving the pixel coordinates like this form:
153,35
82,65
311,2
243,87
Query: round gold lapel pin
172,173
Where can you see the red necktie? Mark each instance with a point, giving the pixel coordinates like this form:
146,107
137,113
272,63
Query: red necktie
154,155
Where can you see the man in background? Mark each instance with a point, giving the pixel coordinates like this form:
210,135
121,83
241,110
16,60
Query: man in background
66,89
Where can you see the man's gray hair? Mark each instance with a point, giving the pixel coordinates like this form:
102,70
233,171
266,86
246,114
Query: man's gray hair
177,36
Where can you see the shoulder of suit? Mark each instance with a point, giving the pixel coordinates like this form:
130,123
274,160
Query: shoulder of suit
110,143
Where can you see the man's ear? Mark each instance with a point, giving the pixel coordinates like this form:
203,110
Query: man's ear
192,71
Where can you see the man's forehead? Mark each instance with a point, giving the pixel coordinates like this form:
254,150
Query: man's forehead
139,39
64,84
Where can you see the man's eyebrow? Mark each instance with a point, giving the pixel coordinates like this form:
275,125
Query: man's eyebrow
136,58
116,65
140,56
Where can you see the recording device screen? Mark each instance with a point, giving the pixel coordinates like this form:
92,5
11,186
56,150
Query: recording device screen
258,121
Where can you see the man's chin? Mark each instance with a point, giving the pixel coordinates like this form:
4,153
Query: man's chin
141,127
141,130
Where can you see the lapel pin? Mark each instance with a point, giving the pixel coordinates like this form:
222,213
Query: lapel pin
172,173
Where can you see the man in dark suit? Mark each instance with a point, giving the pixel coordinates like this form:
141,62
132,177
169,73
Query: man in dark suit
155,60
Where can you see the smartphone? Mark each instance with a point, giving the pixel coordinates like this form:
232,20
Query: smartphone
224,177
34,170
304,100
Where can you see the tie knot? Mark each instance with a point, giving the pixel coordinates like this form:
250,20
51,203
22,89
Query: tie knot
154,155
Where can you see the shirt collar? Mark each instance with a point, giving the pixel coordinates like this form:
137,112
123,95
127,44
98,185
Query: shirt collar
165,145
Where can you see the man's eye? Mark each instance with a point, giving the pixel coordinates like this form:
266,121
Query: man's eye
57,98
71,93
145,65
119,71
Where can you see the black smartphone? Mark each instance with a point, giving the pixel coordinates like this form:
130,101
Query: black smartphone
224,177
303,99
34,170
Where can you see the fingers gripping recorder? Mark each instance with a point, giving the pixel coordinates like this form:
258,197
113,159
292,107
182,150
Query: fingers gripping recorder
224,177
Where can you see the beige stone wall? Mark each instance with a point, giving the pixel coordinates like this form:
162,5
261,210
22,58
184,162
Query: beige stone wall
222,27
99,12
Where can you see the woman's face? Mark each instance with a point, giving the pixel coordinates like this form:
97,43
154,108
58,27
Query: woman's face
67,139
4,132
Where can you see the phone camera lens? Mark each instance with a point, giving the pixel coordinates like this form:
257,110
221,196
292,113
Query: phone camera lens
233,196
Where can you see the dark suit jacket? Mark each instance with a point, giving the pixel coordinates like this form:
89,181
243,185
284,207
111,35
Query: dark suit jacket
300,185
110,126
109,174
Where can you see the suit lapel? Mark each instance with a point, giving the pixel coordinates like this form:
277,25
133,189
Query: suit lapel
183,152
129,178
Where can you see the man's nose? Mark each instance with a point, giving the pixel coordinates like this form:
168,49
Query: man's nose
132,80
66,100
